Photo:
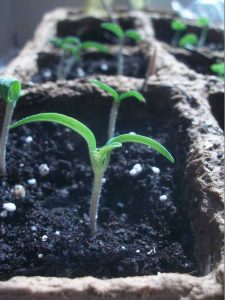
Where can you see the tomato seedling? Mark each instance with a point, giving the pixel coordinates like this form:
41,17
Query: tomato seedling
117,99
122,35
99,157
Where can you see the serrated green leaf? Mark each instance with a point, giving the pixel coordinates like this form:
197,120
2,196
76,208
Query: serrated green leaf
218,68
135,138
134,94
94,45
114,28
69,122
203,22
133,34
178,25
106,88
10,89
188,39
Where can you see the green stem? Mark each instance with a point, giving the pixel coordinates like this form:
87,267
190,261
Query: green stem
63,72
112,119
95,196
175,39
203,37
109,11
4,136
120,59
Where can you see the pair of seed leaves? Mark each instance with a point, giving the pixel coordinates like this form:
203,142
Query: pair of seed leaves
74,45
10,91
189,38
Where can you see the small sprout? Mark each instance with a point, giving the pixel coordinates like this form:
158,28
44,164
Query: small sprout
107,5
74,48
122,35
18,191
117,98
99,157
218,69
9,206
178,26
189,39
10,89
203,22
44,170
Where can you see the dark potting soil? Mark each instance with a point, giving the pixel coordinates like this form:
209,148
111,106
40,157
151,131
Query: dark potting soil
197,60
138,234
92,64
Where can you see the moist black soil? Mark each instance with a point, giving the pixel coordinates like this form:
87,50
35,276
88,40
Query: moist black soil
137,233
135,65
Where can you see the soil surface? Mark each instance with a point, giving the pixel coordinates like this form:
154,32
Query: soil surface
138,234
91,64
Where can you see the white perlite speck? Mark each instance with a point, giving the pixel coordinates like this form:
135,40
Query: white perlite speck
103,180
163,198
57,232
9,206
29,139
4,214
138,251
40,255
44,169
18,191
47,73
136,170
44,238
155,170
32,181
123,248
33,228
104,67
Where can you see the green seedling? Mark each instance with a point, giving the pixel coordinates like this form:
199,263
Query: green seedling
99,157
10,89
204,24
189,39
218,69
178,26
74,48
117,99
122,35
